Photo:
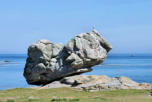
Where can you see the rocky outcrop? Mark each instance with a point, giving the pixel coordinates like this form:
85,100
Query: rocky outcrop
48,62
97,83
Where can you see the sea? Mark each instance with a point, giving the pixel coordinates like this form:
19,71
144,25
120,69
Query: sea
138,67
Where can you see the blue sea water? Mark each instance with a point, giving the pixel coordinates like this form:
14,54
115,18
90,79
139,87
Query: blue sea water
137,67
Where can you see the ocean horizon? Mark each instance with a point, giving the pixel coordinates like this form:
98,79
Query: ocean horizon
138,67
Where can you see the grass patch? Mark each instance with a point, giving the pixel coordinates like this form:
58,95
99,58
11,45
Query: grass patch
33,100
72,95
10,101
64,100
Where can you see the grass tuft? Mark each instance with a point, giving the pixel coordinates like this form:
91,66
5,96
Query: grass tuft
64,100
10,101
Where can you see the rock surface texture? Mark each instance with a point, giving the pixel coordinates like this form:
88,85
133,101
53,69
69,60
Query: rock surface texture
48,62
97,83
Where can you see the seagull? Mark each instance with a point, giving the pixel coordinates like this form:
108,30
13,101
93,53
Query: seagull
94,30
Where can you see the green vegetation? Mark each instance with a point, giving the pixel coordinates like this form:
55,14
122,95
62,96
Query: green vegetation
73,95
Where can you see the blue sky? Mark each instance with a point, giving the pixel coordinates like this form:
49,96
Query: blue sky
126,24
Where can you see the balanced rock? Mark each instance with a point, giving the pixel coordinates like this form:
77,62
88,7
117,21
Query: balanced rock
48,62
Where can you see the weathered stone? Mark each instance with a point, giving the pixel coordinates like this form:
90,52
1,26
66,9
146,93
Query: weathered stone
97,83
48,62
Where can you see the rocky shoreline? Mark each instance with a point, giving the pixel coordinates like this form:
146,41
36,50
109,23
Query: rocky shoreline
56,65
96,83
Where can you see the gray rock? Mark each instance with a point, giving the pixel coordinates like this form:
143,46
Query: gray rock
55,84
48,62
97,83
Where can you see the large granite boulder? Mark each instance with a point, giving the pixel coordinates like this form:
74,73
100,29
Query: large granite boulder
48,62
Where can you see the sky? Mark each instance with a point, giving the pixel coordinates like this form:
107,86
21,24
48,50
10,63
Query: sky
125,24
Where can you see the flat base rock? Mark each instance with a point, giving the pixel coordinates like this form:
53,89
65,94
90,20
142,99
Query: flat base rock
97,83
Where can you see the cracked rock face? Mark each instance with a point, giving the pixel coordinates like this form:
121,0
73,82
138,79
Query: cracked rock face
48,62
